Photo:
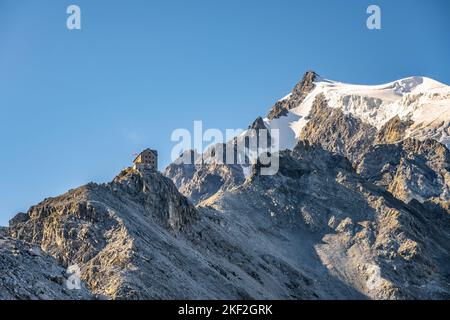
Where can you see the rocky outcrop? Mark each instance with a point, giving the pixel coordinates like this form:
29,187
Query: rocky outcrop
258,124
336,131
410,169
208,174
298,94
363,236
20,217
4,232
28,273
109,231
393,131
199,182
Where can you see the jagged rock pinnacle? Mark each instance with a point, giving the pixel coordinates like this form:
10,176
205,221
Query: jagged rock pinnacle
258,124
306,84
298,94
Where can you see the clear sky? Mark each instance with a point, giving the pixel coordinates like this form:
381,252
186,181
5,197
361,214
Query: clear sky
75,105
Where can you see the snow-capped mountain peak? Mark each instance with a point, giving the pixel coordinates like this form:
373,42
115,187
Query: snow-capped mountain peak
422,101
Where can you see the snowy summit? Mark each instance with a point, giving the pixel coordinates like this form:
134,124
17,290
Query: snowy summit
423,101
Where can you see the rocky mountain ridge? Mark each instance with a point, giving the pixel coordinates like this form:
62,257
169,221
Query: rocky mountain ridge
308,113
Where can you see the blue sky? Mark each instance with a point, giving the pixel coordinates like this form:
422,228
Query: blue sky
75,105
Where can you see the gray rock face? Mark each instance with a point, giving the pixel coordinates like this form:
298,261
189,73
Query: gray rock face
393,131
363,236
199,182
4,232
200,177
103,228
411,169
299,93
258,124
26,272
338,132
19,218
408,168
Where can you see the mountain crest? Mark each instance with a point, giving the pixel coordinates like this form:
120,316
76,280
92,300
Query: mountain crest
306,84
298,94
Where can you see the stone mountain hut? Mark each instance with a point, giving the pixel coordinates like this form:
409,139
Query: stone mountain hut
147,159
